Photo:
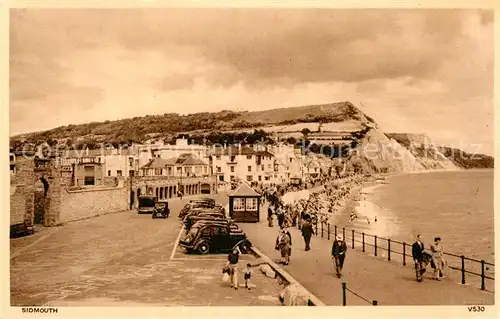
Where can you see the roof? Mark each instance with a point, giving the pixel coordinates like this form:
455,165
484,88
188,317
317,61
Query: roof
184,159
156,162
244,191
189,159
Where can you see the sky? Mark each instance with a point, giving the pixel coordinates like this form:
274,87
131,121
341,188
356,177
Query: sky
417,71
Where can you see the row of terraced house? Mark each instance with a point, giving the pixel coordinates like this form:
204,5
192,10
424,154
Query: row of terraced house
77,184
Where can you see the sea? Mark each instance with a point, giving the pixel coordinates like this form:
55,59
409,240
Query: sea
456,206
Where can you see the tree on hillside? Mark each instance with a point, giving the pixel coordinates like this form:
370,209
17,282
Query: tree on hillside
305,132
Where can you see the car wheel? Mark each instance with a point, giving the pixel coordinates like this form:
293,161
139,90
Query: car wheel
204,248
245,247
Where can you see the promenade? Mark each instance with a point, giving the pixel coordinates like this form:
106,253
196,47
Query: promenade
125,259
374,278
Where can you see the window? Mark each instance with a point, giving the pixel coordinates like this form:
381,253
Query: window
232,169
232,178
263,167
219,169
169,171
268,165
221,178
119,172
158,171
249,157
232,158
239,204
217,157
249,168
260,178
249,178
251,204
131,172
109,173
266,178
205,231
131,161
221,231
291,160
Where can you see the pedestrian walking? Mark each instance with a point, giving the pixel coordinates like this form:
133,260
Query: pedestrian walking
437,258
417,251
232,263
307,232
281,216
270,216
247,273
283,244
339,250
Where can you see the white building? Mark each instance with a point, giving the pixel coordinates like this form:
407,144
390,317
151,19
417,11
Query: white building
245,163
288,162
167,151
186,165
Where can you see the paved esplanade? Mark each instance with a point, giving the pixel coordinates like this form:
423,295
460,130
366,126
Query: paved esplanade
124,259
374,278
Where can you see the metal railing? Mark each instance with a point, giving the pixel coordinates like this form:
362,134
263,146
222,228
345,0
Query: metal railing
344,296
389,248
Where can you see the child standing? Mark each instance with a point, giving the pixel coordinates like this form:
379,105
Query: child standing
248,274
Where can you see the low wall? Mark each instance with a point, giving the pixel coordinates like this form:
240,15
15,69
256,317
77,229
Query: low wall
81,204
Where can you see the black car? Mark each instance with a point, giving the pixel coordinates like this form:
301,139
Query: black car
191,219
161,211
215,237
197,203
209,202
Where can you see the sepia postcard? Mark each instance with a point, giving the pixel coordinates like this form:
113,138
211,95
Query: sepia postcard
248,159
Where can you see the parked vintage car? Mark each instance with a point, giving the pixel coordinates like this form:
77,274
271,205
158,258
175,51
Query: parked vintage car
191,219
147,204
150,205
210,202
162,210
214,237
203,202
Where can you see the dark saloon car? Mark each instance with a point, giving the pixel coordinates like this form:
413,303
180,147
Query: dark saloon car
147,204
191,219
218,237
198,203
162,210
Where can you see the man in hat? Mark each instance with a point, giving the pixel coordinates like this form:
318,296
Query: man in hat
307,231
339,249
417,252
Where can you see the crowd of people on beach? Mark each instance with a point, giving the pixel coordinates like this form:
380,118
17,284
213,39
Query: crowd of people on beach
326,201
323,203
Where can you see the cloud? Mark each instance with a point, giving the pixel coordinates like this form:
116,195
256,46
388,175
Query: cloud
115,63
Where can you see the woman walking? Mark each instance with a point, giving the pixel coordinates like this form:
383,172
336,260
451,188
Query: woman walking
283,244
270,216
437,258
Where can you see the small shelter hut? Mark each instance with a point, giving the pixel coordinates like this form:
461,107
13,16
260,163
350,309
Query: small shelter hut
244,204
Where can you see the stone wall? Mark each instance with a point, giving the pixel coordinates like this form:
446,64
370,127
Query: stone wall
17,204
80,204
23,191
